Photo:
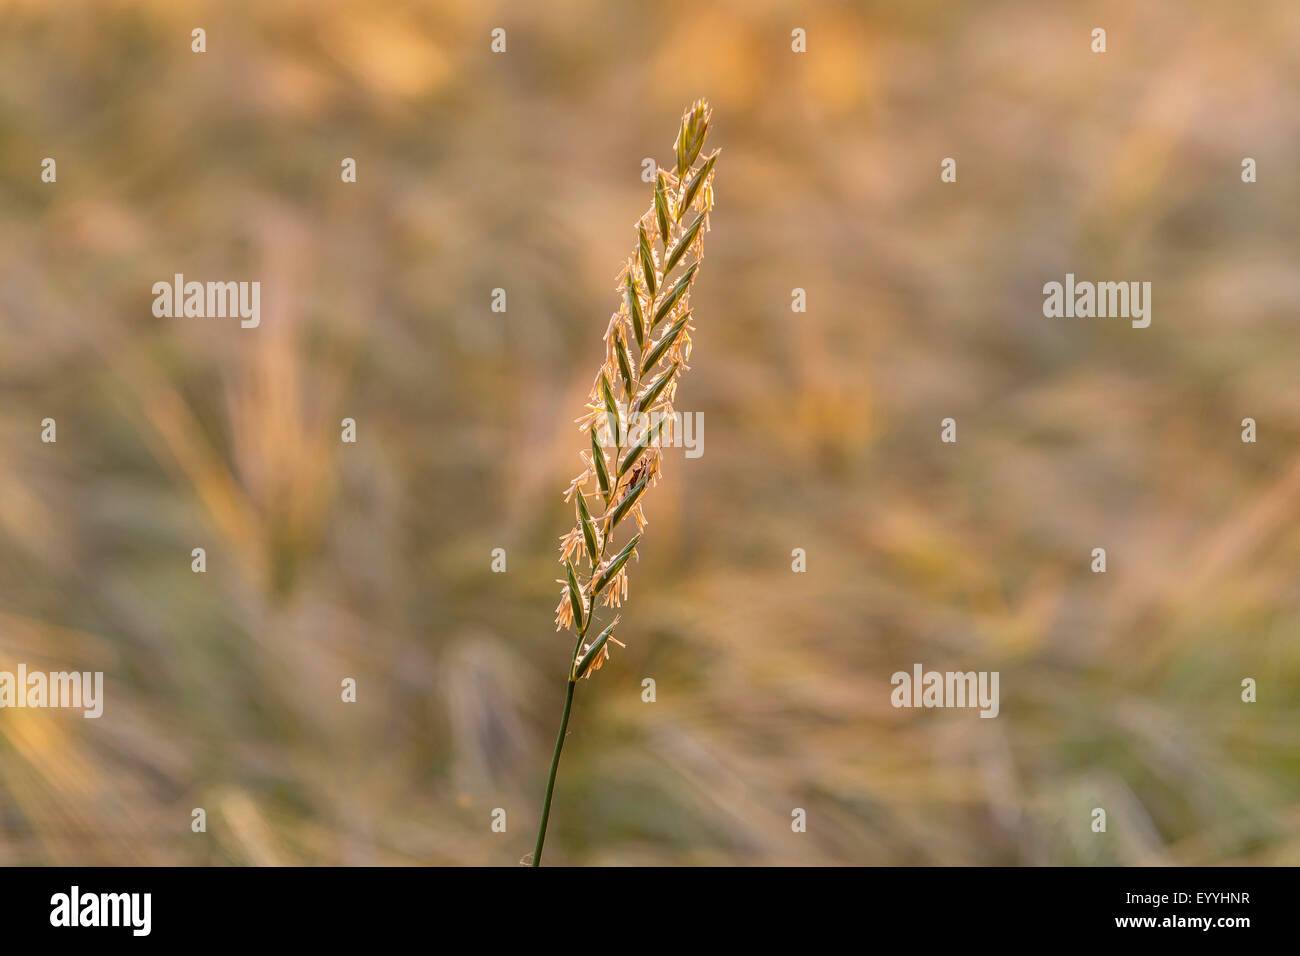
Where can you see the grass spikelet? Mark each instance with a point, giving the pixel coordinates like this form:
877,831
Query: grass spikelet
673,297
634,311
665,343
592,659
624,365
661,205
647,256
575,597
693,185
602,471
690,182
611,407
691,135
616,563
656,389
588,531
683,244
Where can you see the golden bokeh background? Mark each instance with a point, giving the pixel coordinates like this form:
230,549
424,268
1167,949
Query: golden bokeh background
522,171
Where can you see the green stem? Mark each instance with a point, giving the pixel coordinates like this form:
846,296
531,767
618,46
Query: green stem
568,706
555,766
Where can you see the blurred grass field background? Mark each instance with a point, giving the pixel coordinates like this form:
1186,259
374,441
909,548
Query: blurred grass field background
522,171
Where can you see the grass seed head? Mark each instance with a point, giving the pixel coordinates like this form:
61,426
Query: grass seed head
622,476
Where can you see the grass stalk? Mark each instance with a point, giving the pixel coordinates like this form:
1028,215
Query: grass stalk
650,383
555,766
